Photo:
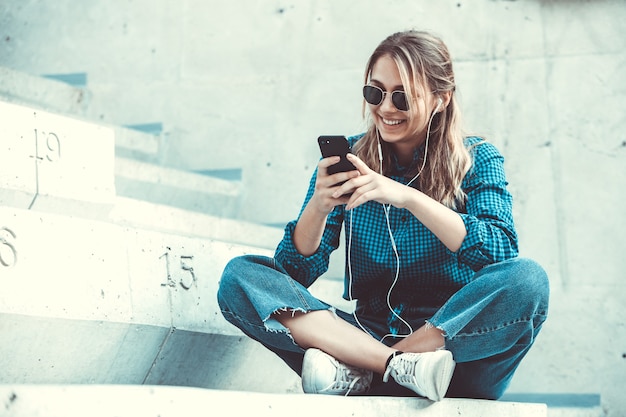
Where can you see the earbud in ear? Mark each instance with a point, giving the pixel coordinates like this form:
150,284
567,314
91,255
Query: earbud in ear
439,103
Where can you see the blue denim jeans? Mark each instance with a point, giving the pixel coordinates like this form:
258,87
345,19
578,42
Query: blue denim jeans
489,325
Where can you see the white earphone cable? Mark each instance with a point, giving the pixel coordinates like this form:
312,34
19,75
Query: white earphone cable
386,209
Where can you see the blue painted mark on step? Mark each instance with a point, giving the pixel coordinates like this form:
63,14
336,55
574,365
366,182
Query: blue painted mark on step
234,174
77,79
151,128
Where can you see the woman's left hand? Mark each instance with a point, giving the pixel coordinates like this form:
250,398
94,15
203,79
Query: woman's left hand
371,186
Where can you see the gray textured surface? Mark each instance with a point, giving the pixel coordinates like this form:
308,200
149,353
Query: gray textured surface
543,80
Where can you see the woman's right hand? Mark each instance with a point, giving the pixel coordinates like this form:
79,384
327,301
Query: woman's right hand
326,184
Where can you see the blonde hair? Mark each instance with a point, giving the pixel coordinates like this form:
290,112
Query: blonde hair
423,61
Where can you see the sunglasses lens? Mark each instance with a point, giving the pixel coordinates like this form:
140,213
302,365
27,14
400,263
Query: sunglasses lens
372,95
399,100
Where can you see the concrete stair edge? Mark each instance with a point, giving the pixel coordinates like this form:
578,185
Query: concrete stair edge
106,400
42,93
128,211
157,174
177,188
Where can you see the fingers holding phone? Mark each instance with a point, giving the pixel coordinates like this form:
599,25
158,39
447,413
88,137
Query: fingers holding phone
341,169
327,184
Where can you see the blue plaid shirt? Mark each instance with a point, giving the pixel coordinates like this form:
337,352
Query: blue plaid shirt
429,272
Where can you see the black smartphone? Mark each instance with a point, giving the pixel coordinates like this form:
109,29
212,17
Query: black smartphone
336,146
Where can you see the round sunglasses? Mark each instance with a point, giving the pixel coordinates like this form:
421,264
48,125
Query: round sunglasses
375,95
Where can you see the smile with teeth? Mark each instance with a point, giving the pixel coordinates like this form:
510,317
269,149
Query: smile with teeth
392,122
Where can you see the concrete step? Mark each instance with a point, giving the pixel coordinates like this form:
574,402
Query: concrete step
139,155
59,266
48,95
134,144
128,212
48,350
59,164
133,275
54,163
137,401
43,93
188,190
142,214
562,404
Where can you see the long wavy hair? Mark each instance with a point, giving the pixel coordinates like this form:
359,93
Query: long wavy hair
424,62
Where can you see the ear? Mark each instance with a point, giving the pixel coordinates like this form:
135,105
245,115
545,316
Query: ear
445,98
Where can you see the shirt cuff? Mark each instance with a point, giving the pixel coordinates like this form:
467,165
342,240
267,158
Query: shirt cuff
470,253
304,269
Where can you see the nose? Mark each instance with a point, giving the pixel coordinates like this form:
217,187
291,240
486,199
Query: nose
387,104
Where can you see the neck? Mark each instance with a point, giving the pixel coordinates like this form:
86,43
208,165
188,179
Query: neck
405,152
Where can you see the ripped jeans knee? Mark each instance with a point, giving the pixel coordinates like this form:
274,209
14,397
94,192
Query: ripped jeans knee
253,289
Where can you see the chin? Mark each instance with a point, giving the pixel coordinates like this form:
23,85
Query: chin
393,136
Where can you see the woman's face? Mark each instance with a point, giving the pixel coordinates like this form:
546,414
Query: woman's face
405,130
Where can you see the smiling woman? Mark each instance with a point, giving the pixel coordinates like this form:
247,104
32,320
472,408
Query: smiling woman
444,307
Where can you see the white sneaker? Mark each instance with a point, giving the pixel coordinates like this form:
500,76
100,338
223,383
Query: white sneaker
323,374
428,374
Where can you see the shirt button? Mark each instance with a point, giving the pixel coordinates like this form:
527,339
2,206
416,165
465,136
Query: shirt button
403,219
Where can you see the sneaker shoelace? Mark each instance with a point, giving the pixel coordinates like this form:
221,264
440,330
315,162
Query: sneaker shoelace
353,385
347,380
407,368
403,371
